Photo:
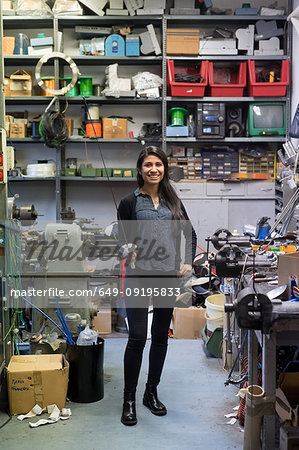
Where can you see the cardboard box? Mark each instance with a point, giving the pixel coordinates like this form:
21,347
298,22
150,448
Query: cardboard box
7,87
8,121
70,125
182,41
8,45
284,410
36,379
20,84
289,438
102,322
114,128
7,4
288,268
17,130
289,383
188,322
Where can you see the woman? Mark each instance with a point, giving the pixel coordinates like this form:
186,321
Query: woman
159,218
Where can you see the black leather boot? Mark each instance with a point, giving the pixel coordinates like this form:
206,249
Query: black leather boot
129,409
150,399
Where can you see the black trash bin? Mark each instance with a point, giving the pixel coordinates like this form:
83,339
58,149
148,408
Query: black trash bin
86,375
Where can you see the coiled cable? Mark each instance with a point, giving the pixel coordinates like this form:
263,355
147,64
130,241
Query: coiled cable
53,129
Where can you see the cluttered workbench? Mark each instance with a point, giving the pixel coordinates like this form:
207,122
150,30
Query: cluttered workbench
260,280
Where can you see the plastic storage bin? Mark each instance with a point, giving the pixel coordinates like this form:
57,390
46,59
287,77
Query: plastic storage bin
234,87
180,89
267,89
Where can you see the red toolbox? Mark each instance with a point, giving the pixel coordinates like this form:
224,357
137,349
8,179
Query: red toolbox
227,81
180,89
268,89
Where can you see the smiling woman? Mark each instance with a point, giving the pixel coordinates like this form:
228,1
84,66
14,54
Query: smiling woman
151,221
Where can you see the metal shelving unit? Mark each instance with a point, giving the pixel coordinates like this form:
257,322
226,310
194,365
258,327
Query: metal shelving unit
162,22
225,140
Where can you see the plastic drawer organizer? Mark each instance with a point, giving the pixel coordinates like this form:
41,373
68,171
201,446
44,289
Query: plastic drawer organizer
262,167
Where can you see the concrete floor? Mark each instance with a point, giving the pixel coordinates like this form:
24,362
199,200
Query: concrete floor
192,388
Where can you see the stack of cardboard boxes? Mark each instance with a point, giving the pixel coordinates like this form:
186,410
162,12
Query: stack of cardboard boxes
16,124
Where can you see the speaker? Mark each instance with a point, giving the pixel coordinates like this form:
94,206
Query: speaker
235,124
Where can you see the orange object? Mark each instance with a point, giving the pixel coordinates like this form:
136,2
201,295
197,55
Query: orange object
50,83
8,45
93,128
288,248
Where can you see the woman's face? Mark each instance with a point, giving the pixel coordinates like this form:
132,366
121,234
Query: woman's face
152,170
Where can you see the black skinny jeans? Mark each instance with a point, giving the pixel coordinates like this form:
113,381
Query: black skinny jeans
137,321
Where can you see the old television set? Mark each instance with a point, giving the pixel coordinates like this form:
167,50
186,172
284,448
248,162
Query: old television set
267,119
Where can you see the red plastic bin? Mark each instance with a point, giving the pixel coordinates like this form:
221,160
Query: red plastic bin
266,89
186,89
235,88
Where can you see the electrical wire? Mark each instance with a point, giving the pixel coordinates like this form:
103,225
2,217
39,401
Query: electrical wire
104,165
53,129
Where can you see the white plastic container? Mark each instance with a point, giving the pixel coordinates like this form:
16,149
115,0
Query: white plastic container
41,170
215,311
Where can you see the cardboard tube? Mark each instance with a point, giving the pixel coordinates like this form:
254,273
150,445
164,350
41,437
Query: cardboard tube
253,417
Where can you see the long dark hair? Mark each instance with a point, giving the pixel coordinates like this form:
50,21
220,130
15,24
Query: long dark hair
166,191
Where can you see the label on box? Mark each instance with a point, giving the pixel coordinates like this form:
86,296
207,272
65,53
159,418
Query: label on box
114,122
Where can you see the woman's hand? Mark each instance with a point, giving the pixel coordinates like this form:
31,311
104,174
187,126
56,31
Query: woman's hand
131,259
184,269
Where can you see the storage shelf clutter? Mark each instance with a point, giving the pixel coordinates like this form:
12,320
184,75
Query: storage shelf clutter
209,66
229,80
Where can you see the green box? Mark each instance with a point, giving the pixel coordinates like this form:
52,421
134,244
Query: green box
70,172
107,172
98,172
88,172
117,172
135,173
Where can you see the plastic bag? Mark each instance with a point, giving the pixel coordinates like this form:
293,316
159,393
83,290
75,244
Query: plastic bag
294,130
87,337
66,7
146,80
33,8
